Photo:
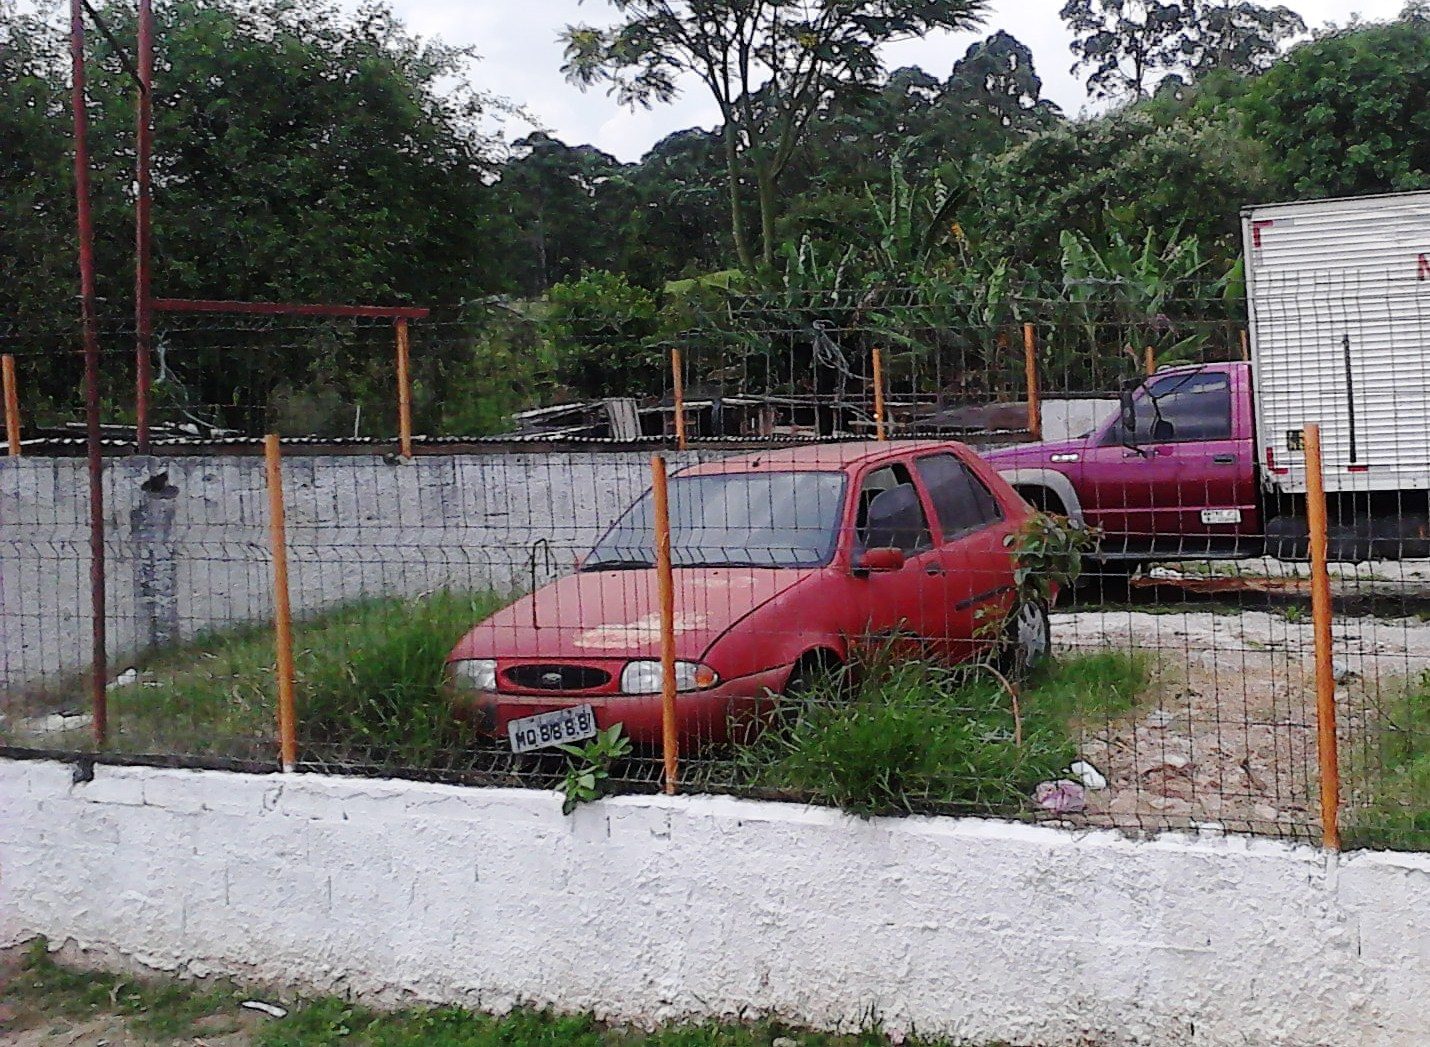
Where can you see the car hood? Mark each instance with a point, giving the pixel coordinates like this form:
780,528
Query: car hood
1033,455
616,614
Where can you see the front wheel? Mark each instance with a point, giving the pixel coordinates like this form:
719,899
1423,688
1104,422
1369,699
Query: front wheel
1027,639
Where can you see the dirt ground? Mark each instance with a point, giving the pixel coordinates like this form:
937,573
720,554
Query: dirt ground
1229,736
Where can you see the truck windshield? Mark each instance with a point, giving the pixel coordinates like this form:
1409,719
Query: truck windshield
1193,405
732,520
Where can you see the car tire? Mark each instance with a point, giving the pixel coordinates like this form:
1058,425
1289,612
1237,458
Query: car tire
1027,640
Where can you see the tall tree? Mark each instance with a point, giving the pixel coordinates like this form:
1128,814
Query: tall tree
1237,37
995,89
770,65
1125,43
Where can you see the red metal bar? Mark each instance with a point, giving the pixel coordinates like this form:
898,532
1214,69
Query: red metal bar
143,295
204,305
88,304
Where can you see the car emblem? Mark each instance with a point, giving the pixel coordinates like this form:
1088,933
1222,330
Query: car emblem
551,679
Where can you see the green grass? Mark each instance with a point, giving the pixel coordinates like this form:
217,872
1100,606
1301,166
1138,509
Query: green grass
369,685
900,735
1392,780
174,1011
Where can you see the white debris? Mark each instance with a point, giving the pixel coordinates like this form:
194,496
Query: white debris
270,1009
1061,796
124,679
57,723
1089,775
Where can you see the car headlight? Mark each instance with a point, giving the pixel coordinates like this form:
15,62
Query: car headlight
648,677
475,674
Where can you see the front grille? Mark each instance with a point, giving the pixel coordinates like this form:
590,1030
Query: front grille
557,677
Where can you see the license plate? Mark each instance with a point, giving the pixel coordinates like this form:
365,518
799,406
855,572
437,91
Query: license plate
1221,516
554,728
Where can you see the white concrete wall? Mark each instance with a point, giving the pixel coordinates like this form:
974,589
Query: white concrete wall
648,908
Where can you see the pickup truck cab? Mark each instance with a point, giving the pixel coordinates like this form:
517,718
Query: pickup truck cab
1171,474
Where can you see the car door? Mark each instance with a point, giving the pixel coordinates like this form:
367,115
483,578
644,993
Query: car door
978,570
909,601
1169,485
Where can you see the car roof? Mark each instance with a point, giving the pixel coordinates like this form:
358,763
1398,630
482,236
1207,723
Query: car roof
815,458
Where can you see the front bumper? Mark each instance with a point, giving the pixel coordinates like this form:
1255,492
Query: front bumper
702,717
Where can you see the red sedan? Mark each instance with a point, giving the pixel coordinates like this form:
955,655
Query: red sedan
782,560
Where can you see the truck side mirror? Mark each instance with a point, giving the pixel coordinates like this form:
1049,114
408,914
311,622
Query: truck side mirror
1128,420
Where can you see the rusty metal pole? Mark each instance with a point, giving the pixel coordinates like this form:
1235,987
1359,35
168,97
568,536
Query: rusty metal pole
879,433
1326,742
12,405
84,216
282,610
1030,366
1150,359
1245,346
143,295
665,578
404,391
677,385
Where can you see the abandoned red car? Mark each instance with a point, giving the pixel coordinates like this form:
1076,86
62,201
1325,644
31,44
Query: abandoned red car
782,560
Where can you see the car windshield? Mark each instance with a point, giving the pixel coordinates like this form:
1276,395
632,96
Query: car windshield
732,520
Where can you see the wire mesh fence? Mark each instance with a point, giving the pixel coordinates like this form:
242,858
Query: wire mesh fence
880,624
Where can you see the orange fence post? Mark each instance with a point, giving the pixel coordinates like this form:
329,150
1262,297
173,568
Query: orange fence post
879,433
677,385
666,580
1151,360
12,405
1245,345
1326,742
1030,364
282,612
404,391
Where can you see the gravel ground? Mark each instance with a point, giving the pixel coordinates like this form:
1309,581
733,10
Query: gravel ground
1229,734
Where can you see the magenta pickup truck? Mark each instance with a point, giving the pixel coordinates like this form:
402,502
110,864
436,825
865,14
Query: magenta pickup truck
1207,461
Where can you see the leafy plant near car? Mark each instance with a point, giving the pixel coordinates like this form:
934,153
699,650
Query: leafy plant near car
588,769
1048,553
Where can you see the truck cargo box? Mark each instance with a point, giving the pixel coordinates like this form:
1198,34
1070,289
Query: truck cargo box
1339,309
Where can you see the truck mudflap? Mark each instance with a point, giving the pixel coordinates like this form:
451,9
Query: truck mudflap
1356,540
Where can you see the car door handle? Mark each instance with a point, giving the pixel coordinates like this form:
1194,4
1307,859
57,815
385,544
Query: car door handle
935,569
1224,459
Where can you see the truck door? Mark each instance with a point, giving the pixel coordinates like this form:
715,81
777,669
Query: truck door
1181,480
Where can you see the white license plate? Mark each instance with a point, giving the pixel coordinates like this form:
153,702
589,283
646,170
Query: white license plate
1221,516
554,728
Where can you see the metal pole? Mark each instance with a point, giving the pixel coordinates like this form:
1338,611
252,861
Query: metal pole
878,394
143,296
1326,744
12,405
88,304
282,611
1030,365
677,379
1245,346
666,581
404,391
1150,358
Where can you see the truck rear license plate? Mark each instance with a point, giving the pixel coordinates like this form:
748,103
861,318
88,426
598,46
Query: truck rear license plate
554,728
1221,516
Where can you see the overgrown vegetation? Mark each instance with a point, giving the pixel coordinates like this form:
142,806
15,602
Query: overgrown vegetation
369,686
893,734
1390,778
44,991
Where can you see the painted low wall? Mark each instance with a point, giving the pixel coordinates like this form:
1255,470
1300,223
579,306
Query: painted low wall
650,908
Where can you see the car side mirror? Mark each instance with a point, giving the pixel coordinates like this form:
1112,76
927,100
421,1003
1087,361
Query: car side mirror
879,561
1128,419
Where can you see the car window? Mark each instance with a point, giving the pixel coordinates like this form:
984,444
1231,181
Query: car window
890,513
1179,408
960,499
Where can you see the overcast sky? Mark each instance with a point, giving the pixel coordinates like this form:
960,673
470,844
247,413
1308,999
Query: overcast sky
522,60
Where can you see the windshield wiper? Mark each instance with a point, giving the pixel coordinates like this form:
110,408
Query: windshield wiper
618,565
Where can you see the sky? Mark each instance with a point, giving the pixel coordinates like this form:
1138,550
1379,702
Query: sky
521,60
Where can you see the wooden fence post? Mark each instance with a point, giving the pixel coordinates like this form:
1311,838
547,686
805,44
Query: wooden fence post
677,384
1030,366
1150,356
12,405
404,391
879,431
1326,742
665,577
282,611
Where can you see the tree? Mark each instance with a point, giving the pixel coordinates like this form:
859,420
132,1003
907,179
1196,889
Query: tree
770,65
601,328
996,93
1346,114
1238,37
1124,42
